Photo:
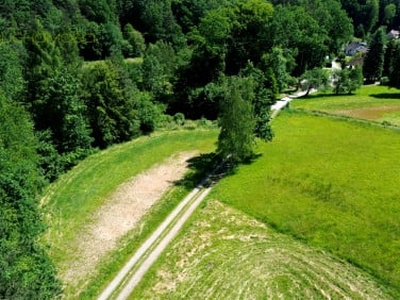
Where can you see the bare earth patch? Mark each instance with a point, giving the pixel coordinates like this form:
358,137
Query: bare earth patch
369,113
120,214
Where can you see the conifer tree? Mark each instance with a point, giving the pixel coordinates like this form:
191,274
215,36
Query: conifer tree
374,60
394,70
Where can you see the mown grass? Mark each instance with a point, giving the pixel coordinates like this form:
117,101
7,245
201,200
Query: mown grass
112,264
224,254
71,201
199,168
376,103
367,96
332,184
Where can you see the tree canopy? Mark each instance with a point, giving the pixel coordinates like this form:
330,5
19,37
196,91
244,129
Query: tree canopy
83,75
236,138
374,60
26,271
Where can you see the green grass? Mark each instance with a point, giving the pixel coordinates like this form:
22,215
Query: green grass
224,254
375,103
367,96
71,201
134,61
391,118
332,184
112,264
199,167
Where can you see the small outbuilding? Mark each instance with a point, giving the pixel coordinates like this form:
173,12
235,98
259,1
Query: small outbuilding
356,47
393,34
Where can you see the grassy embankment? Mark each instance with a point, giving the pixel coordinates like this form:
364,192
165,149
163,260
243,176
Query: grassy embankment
71,202
375,103
331,184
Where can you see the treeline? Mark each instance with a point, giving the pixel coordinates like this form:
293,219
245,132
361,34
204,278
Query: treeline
79,75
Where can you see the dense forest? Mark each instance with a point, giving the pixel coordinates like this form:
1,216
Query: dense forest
81,75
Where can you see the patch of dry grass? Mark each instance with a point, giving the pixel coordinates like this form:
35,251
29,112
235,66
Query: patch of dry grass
224,254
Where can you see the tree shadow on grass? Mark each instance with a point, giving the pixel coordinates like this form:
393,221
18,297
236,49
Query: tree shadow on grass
201,166
330,95
386,96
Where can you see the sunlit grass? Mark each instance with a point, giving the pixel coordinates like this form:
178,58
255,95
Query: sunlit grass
330,183
367,96
224,254
71,201
376,103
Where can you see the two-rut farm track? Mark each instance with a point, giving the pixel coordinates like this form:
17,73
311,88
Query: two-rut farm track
133,271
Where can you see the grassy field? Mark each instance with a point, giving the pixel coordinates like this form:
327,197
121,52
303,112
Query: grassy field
71,201
375,103
224,254
332,184
315,215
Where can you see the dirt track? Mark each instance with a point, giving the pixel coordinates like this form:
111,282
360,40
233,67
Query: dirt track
120,214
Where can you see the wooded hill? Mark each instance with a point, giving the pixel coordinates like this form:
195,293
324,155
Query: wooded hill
79,75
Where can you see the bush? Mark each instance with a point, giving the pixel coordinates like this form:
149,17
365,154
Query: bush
384,81
179,119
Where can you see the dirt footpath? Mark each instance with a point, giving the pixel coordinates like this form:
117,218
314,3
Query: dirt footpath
121,214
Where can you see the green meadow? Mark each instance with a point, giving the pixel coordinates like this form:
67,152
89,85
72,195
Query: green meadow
375,103
226,254
331,184
315,215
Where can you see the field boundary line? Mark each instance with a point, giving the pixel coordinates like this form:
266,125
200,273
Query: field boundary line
318,113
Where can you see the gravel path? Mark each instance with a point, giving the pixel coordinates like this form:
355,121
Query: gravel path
281,104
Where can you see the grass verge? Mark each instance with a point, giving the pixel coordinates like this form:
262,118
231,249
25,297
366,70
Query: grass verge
330,183
72,200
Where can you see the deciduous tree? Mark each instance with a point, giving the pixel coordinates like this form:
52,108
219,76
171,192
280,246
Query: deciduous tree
26,270
346,81
295,29
109,97
315,79
236,120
